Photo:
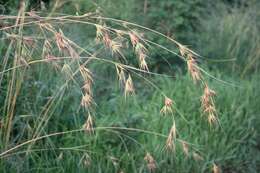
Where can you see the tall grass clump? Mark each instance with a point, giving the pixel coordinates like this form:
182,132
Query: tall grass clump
230,36
73,101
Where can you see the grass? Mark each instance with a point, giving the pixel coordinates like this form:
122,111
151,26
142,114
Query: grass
63,110
135,126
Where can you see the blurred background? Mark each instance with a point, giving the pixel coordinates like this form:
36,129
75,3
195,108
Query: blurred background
226,35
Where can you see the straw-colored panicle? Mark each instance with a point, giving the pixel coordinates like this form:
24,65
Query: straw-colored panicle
102,35
216,168
170,142
86,100
150,162
87,76
167,108
196,156
140,50
121,75
134,38
129,86
185,148
193,68
88,125
99,33
60,41
183,50
208,105
141,53
64,45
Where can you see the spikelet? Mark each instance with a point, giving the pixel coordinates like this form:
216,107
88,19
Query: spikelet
193,69
60,41
134,38
86,74
183,50
86,100
185,148
208,106
170,142
99,33
196,156
216,169
115,47
64,46
150,162
129,86
141,53
121,74
167,108
88,125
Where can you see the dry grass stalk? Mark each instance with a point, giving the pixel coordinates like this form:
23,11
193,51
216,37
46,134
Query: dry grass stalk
170,142
167,108
208,106
193,68
150,162
88,125
129,86
216,169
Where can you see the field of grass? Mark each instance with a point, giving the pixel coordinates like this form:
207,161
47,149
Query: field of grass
85,93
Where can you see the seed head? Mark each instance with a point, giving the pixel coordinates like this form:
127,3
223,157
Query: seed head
88,126
193,69
216,169
167,108
170,142
86,100
150,162
208,105
185,148
129,87
196,156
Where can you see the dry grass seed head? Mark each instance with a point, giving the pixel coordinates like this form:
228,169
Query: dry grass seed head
196,156
134,38
129,86
185,147
150,162
88,125
170,142
208,106
86,100
183,50
193,69
167,108
216,169
121,75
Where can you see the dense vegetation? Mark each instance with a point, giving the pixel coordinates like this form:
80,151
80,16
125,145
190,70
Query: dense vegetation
46,67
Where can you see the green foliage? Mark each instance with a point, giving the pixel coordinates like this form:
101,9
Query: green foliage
231,35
